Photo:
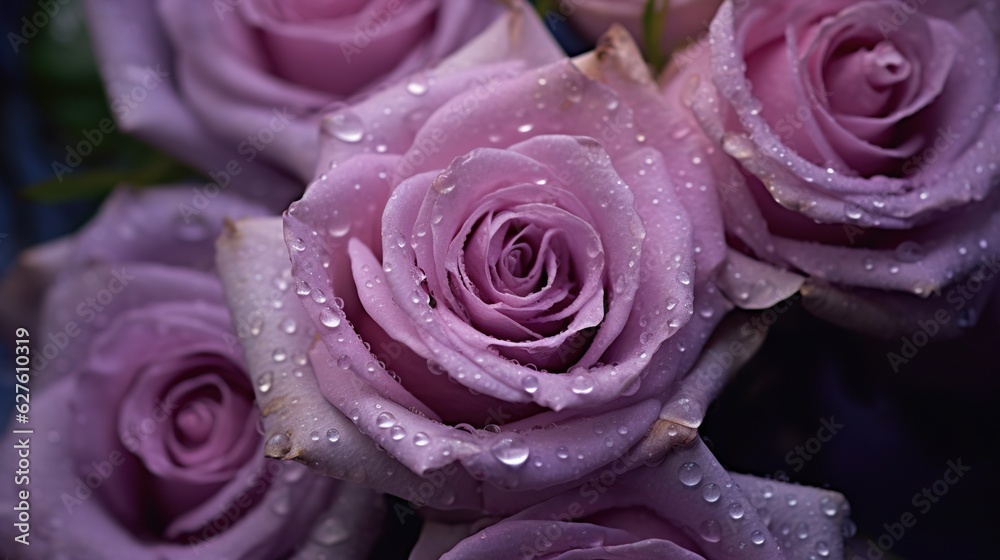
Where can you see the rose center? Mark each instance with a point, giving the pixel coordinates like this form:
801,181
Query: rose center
867,81
194,422
885,66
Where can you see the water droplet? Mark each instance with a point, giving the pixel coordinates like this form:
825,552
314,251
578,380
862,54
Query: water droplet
346,126
277,446
757,538
622,430
333,435
297,244
421,439
671,303
562,452
330,532
792,501
302,288
529,383
711,492
684,278
822,549
736,510
582,385
510,450
397,433
385,420
288,326
802,531
710,530
314,436
689,474
279,355
329,318
344,362
282,503
264,381
827,506
444,183
416,86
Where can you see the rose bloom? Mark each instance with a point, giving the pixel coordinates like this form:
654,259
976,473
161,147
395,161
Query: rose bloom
245,81
506,300
145,438
858,148
687,507
684,20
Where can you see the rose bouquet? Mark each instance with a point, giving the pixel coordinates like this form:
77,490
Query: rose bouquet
451,293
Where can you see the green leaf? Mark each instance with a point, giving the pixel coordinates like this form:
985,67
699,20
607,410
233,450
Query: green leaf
654,18
95,183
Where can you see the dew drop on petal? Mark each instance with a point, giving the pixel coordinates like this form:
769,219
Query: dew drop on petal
264,381
736,510
333,435
757,538
421,439
562,452
302,288
397,433
711,492
710,530
279,355
329,318
529,383
346,126
288,326
802,531
689,474
827,506
582,385
385,420
510,450
416,86
330,532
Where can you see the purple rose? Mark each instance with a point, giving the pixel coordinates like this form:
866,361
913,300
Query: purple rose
234,81
507,300
145,438
688,507
865,137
